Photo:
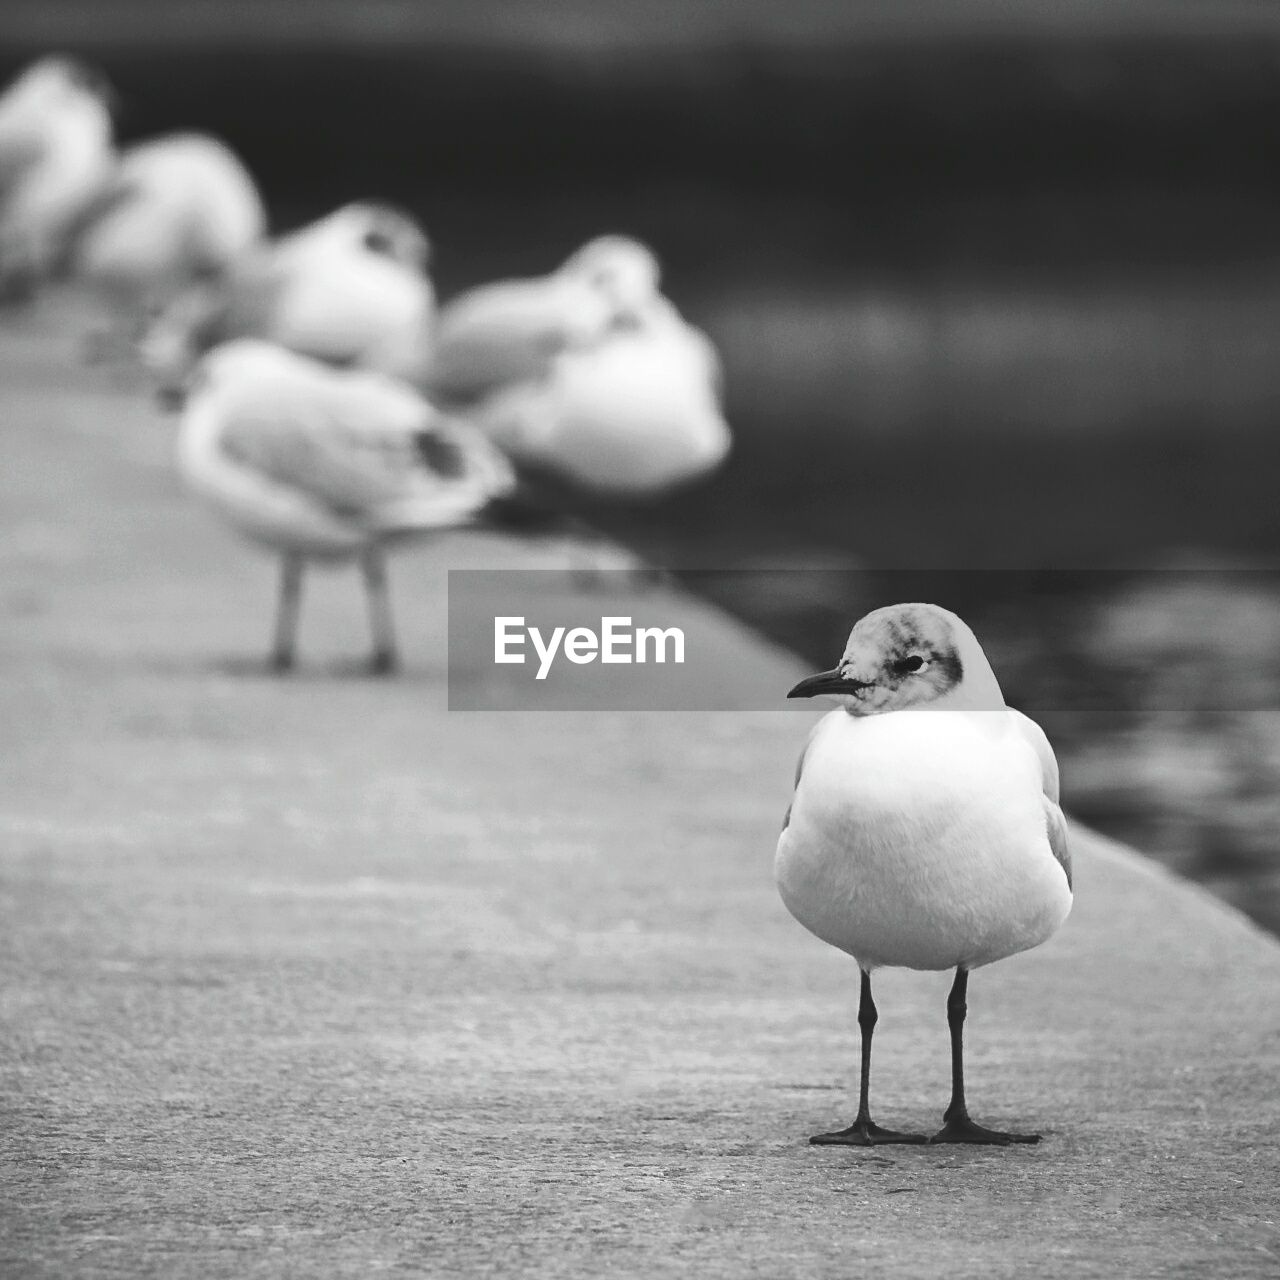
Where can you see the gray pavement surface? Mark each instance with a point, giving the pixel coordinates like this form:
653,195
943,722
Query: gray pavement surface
311,977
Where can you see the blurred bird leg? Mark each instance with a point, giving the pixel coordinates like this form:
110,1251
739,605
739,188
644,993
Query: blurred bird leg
283,648
171,399
170,343
373,567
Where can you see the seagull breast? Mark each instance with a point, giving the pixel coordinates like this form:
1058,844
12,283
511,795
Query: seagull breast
919,838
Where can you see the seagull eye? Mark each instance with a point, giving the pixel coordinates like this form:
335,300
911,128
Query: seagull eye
913,663
379,242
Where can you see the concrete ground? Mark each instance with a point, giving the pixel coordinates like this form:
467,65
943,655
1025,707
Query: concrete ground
314,977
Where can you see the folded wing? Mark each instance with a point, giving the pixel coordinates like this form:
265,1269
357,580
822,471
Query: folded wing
367,450
510,332
1055,822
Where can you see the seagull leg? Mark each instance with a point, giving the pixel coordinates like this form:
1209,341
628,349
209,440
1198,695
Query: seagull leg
864,1132
373,565
282,648
957,1127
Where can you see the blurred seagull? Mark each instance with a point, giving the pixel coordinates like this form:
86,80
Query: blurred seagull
349,289
56,158
633,416
499,334
590,375
925,830
326,465
180,209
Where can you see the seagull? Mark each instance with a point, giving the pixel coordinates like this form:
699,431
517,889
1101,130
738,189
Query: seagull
56,158
180,208
349,289
590,375
320,464
925,830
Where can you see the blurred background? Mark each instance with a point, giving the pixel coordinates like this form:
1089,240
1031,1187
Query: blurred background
996,286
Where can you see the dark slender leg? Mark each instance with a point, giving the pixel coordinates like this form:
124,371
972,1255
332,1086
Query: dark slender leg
957,1127
282,648
864,1132
374,567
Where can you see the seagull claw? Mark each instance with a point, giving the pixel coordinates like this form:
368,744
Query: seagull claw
865,1134
964,1130
383,663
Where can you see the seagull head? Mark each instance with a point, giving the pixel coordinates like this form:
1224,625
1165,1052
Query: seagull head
83,79
623,270
386,232
59,81
904,657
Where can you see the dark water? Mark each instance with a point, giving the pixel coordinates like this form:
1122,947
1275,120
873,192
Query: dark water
990,304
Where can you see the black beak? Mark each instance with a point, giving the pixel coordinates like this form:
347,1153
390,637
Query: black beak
827,682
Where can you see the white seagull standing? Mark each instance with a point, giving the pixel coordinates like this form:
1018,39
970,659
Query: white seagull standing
181,208
925,830
590,374
56,158
349,289
329,465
